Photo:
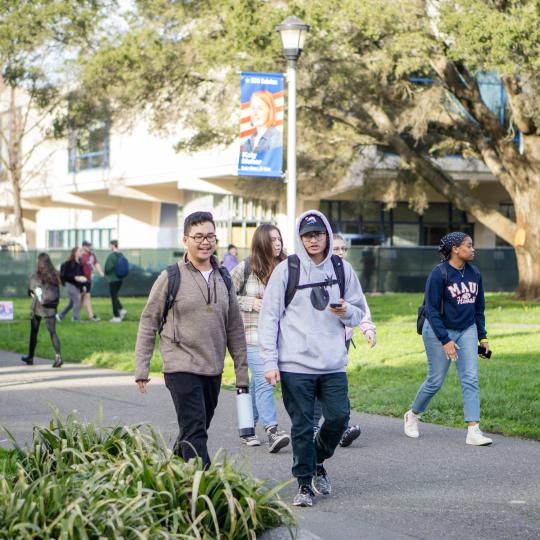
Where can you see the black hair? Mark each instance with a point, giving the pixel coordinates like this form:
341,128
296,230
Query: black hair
197,218
114,243
231,246
449,241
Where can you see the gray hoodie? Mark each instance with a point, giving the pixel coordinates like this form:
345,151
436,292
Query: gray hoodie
301,339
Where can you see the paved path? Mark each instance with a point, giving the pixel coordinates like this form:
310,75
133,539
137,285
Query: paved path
386,485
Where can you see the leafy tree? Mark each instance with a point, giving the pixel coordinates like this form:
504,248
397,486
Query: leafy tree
358,83
39,42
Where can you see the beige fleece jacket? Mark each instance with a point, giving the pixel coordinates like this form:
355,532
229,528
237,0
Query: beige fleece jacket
204,321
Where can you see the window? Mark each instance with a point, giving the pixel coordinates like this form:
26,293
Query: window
89,149
69,238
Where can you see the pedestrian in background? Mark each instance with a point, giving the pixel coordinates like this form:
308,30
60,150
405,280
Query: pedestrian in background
250,278
230,259
44,289
74,281
115,271
89,263
368,330
454,330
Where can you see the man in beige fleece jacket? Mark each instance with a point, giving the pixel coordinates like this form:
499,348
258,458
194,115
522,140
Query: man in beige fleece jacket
204,321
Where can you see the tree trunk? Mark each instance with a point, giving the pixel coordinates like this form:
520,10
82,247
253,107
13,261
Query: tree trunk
14,158
527,242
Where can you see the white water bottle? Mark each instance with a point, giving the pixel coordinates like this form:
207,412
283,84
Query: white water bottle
244,410
39,293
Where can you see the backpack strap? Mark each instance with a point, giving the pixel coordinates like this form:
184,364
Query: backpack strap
444,272
247,272
226,278
293,264
339,269
173,285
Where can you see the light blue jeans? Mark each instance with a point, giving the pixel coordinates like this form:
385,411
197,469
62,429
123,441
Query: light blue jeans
438,364
262,395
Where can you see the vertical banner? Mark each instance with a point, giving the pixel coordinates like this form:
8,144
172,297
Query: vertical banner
261,124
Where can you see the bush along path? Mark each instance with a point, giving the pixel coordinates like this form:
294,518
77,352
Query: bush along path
76,481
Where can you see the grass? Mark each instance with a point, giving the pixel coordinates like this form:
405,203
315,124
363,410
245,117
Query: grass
383,380
7,463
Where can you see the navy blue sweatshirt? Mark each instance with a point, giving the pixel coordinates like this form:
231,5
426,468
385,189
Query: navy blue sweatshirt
463,301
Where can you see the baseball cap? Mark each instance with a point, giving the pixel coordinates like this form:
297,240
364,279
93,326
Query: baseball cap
312,223
86,243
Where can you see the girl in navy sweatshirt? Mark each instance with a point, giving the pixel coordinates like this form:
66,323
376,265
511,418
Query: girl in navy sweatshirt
454,325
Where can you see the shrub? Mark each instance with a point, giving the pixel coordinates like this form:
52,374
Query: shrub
79,481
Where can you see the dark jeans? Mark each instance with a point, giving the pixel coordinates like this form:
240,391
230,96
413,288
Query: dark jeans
195,399
114,289
50,322
317,410
299,394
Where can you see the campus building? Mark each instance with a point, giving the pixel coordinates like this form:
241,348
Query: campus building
134,187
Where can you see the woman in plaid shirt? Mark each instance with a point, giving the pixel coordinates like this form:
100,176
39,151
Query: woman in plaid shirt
250,278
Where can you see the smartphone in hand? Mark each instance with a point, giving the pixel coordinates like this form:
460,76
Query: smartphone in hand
483,353
335,306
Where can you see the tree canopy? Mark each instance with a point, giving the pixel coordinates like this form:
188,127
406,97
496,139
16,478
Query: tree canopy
398,73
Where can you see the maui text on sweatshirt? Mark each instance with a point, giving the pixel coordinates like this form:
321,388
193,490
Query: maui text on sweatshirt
463,301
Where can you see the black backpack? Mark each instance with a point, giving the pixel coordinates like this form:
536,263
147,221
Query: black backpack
247,271
422,309
293,262
174,278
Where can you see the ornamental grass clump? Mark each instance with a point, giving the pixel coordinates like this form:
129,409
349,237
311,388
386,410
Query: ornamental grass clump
78,481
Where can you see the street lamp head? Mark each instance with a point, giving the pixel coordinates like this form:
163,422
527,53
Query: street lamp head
293,34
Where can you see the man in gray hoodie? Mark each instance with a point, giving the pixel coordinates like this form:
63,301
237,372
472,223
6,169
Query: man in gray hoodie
303,346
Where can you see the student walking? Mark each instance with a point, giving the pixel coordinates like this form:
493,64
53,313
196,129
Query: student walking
368,329
74,280
116,268
230,259
250,278
196,326
44,288
308,302
454,325
89,263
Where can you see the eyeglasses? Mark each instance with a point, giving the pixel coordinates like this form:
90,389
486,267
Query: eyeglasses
200,238
339,248
313,236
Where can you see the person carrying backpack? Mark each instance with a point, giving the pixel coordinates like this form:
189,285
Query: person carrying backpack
453,327
44,289
250,278
116,269
308,302
368,329
193,307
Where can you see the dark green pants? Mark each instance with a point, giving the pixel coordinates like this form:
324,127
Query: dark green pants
299,393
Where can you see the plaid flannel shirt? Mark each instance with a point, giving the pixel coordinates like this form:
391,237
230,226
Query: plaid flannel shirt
254,289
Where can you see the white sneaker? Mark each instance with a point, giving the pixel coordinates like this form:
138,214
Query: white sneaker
116,320
476,437
410,424
123,313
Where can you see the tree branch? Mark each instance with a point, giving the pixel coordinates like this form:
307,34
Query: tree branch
521,119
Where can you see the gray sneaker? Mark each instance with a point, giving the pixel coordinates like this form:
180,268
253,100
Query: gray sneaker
304,497
276,439
320,482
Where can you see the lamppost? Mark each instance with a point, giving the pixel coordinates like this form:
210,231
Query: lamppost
293,34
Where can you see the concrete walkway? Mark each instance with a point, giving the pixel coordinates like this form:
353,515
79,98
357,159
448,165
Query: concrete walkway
386,486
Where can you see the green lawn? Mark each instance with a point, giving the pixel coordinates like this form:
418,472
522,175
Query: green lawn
383,380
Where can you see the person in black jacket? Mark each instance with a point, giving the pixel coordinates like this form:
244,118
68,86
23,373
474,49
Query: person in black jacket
44,288
74,280
454,331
